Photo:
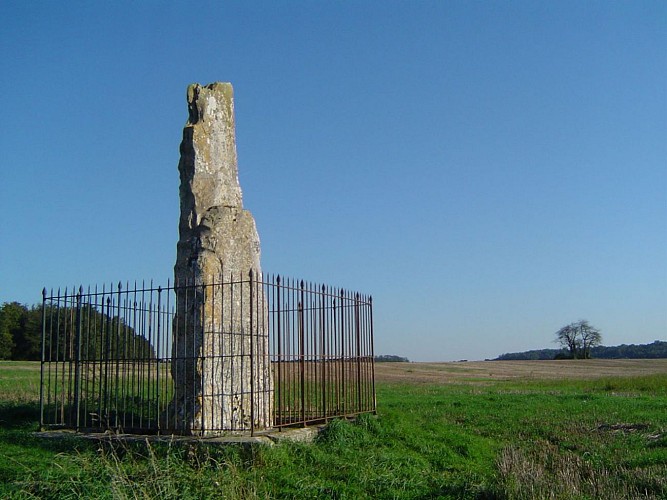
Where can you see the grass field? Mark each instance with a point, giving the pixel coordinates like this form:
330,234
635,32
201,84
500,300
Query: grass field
566,429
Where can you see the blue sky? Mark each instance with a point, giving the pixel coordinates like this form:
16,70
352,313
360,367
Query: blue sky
488,171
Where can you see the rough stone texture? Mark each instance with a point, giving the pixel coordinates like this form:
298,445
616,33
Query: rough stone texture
218,240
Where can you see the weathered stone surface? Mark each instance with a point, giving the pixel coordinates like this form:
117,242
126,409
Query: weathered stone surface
220,351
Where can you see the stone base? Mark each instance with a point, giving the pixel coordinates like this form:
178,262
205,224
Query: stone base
265,438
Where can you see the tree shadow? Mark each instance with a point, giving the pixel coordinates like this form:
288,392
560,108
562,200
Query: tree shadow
19,423
19,415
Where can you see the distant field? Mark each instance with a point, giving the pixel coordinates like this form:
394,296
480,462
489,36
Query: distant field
478,371
19,380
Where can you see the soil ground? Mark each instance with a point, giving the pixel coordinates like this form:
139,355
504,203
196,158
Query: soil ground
477,371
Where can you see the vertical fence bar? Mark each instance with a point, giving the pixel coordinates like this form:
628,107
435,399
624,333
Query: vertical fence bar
166,355
314,403
121,408
56,362
152,324
301,355
200,358
368,361
291,336
85,358
216,403
342,353
277,324
331,351
357,330
141,382
323,353
77,361
41,366
252,352
223,351
190,362
107,353
336,359
130,349
92,354
372,353
68,357
157,360
102,345
117,358
136,357
50,353
58,395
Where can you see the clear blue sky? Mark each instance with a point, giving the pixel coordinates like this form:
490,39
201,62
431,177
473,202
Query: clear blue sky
488,171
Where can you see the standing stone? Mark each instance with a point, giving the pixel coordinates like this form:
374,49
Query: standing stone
221,366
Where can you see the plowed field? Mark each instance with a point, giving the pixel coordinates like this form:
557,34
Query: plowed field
478,371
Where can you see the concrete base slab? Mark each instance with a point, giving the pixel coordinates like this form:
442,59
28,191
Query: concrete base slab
264,438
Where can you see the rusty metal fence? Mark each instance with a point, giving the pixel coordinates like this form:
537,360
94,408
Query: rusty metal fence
108,354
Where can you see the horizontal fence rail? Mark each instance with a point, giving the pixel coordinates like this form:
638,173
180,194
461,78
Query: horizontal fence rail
112,357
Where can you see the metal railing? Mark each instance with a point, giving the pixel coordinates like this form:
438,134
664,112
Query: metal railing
109,355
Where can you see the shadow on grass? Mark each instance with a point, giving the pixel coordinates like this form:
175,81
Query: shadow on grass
19,415
20,421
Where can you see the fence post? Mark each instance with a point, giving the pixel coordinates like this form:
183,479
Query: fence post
302,346
41,368
370,305
357,332
77,360
252,353
118,358
277,323
323,353
342,352
157,357
107,351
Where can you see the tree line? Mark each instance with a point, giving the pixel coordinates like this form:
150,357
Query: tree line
20,332
581,340
102,336
657,349
390,358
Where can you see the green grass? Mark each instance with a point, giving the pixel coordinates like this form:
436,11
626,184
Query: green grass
602,438
19,381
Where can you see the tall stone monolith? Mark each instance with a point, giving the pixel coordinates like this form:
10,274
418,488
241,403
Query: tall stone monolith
220,367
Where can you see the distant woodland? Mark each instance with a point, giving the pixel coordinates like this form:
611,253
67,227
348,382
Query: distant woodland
21,334
390,358
657,349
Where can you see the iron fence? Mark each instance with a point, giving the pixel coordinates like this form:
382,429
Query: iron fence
112,357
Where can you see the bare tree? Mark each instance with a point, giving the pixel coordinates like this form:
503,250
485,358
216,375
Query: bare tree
578,338
590,337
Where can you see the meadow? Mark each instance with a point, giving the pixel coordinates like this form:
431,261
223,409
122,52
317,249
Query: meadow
506,430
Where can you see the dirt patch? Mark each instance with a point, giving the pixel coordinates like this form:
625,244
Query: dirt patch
480,371
622,427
